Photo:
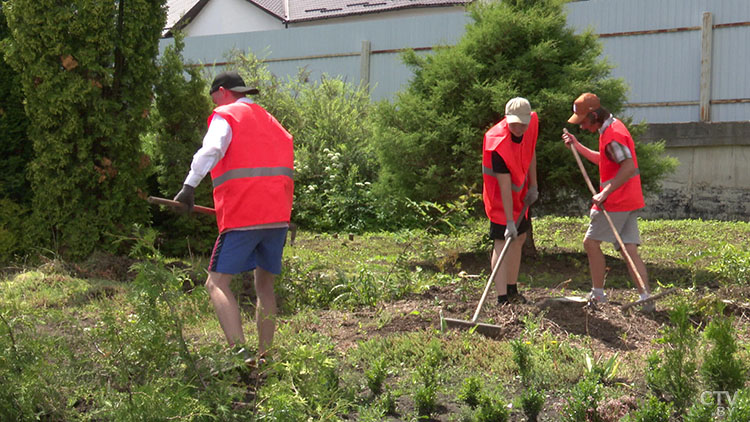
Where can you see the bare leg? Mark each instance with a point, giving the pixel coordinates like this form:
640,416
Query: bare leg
265,315
225,306
597,264
509,268
639,265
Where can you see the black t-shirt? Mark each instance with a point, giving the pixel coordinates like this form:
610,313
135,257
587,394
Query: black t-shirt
498,164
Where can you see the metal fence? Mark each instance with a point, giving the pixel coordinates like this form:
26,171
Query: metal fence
684,60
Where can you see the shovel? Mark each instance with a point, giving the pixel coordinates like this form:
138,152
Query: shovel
631,264
179,205
489,330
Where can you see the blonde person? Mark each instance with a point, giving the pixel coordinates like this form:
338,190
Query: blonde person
509,174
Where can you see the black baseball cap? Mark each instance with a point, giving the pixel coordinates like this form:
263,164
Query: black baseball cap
232,81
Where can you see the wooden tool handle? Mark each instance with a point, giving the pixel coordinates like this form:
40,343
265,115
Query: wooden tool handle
631,263
497,266
176,204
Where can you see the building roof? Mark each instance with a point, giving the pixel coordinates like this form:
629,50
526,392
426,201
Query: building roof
180,12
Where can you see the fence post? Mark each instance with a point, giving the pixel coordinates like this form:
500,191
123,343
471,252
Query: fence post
364,64
706,44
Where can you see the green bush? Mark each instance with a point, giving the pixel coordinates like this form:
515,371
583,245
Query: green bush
582,404
12,233
429,139
177,126
672,371
722,369
652,410
15,147
532,401
492,409
739,411
471,391
87,69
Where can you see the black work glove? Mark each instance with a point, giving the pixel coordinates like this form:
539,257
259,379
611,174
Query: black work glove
186,195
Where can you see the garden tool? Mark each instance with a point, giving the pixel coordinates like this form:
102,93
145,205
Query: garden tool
179,205
628,258
489,330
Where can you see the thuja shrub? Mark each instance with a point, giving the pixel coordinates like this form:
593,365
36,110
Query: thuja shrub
583,402
722,369
672,371
87,68
178,123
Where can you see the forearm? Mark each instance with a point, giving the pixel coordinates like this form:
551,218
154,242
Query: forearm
587,153
626,171
532,172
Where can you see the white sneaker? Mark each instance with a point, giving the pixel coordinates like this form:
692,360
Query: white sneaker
598,299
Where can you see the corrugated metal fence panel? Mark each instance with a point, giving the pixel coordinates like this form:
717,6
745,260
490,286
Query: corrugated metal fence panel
343,41
665,67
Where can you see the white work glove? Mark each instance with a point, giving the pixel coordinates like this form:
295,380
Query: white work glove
510,230
531,196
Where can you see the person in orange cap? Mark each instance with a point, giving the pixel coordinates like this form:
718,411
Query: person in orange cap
510,183
620,191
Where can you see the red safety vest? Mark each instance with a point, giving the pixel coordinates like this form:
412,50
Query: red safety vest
517,158
253,182
629,196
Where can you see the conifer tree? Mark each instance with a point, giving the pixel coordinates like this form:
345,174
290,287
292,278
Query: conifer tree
430,138
87,68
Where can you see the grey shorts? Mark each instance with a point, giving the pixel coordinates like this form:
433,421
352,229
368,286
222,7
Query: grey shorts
625,222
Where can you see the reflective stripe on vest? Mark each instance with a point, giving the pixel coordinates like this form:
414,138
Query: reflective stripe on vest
515,188
253,172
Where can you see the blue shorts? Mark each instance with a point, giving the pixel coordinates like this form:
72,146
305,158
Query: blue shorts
242,250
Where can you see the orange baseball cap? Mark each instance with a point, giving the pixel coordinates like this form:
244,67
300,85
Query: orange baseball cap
582,106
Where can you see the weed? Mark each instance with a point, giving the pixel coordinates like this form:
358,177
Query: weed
471,391
583,402
722,370
672,371
701,412
522,357
731,263
532,401
376,375
739,411
492,409
652,410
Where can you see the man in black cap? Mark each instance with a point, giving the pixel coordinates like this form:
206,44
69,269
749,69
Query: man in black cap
251,160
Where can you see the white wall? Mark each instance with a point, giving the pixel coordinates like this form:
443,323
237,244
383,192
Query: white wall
229,17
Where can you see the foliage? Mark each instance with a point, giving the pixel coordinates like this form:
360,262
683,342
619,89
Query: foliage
701,412
522,358
429,138
732,263
375,376
532,401
177,125
739,411
652,410
86,68
603,371
492,409
13,240
471,391
15,147
672,371
581,405
722,369
334,162
426,378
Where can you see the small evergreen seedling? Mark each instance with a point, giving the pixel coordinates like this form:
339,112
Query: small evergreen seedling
532,401
376,376
722,370
653,410
471,391
492,409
